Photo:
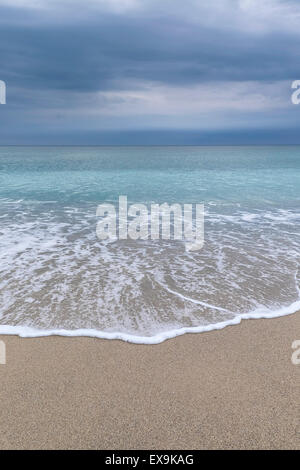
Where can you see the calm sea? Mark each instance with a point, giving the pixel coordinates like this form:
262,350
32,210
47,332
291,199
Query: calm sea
56,276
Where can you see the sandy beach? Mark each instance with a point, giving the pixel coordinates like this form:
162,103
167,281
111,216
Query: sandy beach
233,388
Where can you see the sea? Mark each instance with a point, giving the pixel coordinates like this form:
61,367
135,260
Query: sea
58,278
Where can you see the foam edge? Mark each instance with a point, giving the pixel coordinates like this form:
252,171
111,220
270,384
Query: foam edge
29,332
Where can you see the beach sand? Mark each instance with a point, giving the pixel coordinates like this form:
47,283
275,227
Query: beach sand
233,388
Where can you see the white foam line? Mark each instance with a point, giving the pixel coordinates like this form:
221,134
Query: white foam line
28,332
194,301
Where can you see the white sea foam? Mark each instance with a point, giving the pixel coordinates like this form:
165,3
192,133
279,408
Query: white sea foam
198,302
27,332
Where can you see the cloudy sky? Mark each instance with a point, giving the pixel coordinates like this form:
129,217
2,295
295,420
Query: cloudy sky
149,71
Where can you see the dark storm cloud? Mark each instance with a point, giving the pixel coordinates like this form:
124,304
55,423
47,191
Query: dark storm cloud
107,51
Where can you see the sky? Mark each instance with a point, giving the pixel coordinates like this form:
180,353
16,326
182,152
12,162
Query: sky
149,72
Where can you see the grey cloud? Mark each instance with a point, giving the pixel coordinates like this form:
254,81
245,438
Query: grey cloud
61,57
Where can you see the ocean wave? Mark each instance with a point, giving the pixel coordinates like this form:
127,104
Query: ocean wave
29,332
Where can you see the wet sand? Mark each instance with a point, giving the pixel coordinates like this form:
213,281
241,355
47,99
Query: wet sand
233,388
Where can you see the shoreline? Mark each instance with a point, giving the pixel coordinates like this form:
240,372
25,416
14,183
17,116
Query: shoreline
29,332
223,389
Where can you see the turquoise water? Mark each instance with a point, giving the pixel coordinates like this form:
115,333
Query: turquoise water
55,274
